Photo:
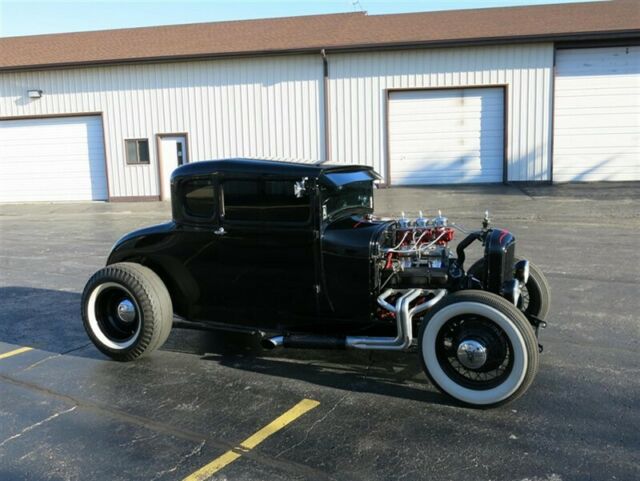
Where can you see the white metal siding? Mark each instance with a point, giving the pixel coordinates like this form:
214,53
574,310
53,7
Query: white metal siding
261,107
597,114
358,101
272,106
54,159
446,136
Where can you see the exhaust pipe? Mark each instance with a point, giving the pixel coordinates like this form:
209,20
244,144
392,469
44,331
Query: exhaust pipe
404,318
270,343
304,341
404,334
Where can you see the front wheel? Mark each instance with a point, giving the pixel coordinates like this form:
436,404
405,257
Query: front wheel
478,348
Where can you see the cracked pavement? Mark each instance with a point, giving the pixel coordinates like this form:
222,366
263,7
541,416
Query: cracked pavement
68,413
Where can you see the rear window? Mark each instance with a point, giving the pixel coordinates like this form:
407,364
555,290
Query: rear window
199,198
266,201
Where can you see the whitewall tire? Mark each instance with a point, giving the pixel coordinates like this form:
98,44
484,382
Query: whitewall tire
478,348
126,311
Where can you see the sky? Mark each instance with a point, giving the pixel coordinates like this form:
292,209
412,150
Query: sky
26,17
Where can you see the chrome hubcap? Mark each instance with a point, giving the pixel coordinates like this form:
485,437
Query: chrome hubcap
126,311
472,354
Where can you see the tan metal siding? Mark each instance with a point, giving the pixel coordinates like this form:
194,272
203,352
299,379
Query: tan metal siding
357,93
267,107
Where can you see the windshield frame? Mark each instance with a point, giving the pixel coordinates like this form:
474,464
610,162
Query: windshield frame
328,192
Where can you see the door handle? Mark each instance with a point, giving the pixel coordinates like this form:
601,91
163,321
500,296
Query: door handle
220,231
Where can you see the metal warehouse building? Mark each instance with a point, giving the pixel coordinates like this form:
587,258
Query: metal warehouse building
543,93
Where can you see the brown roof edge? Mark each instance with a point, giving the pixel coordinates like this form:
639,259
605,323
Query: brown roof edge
631,35
116,31
345,32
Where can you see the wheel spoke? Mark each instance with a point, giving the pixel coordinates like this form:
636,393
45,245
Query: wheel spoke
475,331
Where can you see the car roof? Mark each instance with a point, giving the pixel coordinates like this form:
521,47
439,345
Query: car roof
263,166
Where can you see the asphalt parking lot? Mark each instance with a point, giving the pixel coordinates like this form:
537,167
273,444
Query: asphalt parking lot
68,413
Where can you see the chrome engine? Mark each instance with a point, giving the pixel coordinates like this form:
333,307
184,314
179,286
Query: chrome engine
416,253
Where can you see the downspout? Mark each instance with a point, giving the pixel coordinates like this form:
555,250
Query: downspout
325,106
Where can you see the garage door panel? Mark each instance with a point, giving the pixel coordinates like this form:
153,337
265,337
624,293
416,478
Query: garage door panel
461,142
446,136
451,177
55,159
446,130
597,114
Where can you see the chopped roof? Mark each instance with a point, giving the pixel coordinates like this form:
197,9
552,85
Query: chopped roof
315,32
265,167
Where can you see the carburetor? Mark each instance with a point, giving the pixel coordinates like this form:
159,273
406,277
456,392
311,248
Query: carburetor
416,250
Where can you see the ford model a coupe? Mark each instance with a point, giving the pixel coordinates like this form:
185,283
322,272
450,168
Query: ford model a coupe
295,253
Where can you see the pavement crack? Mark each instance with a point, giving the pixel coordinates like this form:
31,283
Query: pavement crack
74,349
368,368
54,356
183,459
41,361
308,431
35,425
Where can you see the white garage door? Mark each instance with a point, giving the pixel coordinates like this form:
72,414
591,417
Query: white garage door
53,159
597,114
446,136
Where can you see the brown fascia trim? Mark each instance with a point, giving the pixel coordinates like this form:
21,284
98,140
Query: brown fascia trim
140,198
482,41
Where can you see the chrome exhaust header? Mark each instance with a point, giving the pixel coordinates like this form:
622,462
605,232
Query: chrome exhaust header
404,319
404,324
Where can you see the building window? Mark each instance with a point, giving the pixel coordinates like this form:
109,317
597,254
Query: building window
137,151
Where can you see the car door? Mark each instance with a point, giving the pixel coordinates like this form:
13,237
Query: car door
193,252
267,251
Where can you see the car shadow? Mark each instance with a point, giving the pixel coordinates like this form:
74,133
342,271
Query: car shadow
50,320
44,319
396,374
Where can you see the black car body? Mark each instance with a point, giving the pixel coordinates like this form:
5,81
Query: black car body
294,251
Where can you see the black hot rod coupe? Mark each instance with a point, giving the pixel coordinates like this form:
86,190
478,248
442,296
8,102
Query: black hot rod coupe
294,252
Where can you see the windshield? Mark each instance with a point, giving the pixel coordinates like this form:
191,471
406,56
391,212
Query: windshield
354,195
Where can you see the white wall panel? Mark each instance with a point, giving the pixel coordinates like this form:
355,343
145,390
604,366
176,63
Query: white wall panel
358,85
268,107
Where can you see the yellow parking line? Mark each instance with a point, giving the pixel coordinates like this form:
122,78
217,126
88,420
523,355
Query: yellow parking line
252,441
15,352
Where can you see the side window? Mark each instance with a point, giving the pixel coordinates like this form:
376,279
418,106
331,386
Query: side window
199,197
268,200
242,200
286,201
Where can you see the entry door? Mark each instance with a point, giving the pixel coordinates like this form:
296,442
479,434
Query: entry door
173,153
449,136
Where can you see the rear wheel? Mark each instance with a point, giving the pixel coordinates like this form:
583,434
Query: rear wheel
535,297
478,348
126,311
